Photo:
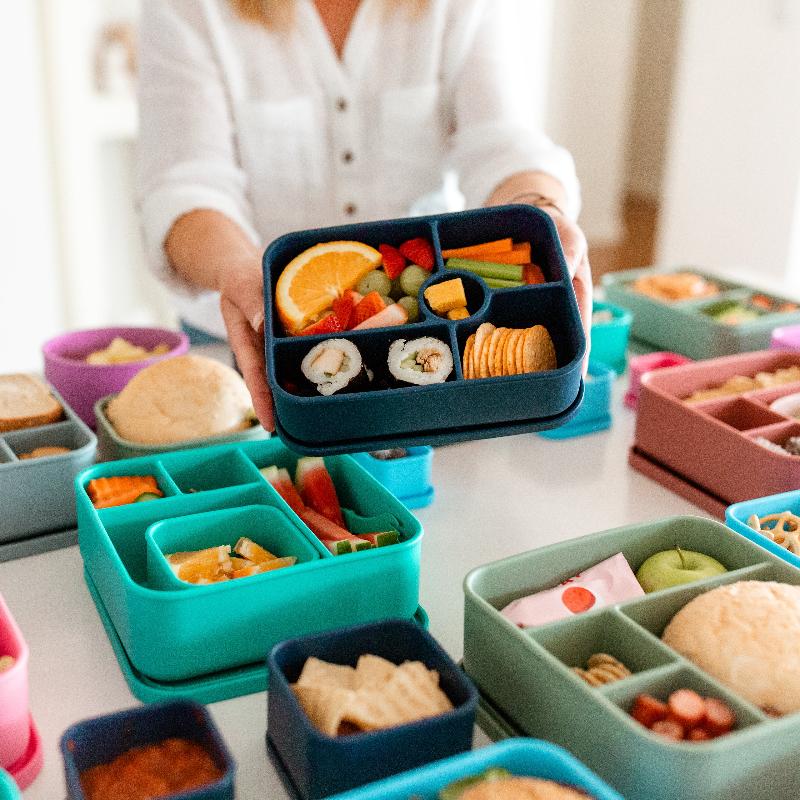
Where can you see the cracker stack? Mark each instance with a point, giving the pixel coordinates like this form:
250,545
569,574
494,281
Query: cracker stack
494,352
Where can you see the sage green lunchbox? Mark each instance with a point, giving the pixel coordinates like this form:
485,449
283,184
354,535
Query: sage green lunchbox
525,673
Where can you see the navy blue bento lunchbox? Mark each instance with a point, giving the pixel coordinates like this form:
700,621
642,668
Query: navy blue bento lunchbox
458,408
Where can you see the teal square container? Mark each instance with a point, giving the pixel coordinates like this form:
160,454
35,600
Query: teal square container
610,337
174,635
407,478
527,675
530,758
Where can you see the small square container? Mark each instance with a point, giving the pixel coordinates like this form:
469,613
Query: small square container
319,765
112,447
82,384
458,409
688,326
8,787
37,494
527,675
327,592
407,478
99,741
530,758
640,365
594,414
610,337
786,338
709,451
15,725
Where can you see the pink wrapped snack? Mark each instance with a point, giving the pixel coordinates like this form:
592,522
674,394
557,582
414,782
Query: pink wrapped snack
610,581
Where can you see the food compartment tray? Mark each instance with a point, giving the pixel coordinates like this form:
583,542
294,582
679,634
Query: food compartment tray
414,414
407,478
526,675
37,495
226,625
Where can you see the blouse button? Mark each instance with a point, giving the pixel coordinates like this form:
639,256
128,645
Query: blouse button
347,156
350,209
341,104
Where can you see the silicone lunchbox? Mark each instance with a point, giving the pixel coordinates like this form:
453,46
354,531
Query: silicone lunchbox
14,713
530,758
708,451
786,338
407,478
8,787
189,632
111,446
99,741
457,409
83,384
642,364
610,338
37,495
319,764
594,414
686,327
526,672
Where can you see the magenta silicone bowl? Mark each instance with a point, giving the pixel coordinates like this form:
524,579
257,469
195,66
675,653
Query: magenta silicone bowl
81,384
15,723
787,338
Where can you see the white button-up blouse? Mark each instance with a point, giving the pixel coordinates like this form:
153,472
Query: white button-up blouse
271,128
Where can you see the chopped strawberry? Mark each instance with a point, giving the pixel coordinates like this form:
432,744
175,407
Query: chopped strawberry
394,261
418,251
344,306
370,305
328,324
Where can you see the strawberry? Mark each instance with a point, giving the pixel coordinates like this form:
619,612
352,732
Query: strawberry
328,324
370,305
418,251
394,261
344,306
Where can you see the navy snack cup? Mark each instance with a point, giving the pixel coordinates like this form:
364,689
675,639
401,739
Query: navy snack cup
319,765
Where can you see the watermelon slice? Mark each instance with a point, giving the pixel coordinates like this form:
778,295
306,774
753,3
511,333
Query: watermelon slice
394,314
324,529
281,482
342,546
381,539
316,488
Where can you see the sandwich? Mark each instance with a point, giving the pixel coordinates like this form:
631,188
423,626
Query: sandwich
26,402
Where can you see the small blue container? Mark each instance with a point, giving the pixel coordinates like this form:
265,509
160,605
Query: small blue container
595,413
531,758
457,409
610,338
319,765
99,741
8,787
736,517
407,478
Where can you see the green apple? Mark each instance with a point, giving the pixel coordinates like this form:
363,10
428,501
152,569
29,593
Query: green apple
674,567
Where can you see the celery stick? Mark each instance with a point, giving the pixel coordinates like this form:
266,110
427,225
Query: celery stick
494,283
487,269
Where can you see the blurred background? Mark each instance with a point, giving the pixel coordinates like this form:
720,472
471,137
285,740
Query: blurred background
683,117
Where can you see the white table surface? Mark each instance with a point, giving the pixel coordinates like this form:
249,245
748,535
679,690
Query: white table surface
494,498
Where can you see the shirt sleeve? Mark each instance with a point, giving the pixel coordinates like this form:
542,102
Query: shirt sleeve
187,153
494,135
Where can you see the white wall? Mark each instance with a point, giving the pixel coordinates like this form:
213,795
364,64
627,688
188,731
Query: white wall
733,168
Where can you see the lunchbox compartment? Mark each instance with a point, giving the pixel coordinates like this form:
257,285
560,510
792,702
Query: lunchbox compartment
777,433
610,338
202,471
476,292
739,413
59,434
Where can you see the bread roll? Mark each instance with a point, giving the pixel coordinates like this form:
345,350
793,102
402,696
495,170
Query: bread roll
179,399
747,636
521,789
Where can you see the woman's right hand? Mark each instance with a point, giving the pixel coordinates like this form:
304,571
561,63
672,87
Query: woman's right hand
242,304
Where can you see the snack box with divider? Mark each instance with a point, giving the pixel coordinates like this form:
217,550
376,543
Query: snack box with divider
8,787
647,362
111,446
530,758
610,338
525,673
736,517
687,326
594,415
407,478
99,741
320,765
37,494
184,633
81,383
458,409
707,451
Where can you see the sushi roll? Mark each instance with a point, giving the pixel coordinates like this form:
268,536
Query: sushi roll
335,365
420,362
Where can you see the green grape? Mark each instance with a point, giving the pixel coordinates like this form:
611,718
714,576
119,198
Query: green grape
412,278
411,306
375,281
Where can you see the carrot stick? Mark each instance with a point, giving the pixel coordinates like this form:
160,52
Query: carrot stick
521,254
532,274
120,489
497,246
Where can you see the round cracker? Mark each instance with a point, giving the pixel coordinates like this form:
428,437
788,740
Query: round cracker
482,359
518,352
499,356
466,363
539,353
509,364
494,341
483,332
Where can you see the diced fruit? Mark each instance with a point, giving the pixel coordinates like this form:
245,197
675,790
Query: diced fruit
669,728
328,324
252,551
370,305
381,539
311,281
394,314
412,279
447,295
281,482
387,300
323,528
687,707
647,710
344,307
720,719
375,281
394,262
342,546
418,251
458,313
699,735
316,488
265,566
411,306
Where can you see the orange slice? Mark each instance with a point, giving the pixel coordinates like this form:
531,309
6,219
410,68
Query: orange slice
313,280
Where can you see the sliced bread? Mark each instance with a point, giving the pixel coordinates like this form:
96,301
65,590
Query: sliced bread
26,402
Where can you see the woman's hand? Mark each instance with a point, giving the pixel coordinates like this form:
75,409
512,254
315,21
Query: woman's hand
242,302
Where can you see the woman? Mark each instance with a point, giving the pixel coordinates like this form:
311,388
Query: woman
259,117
